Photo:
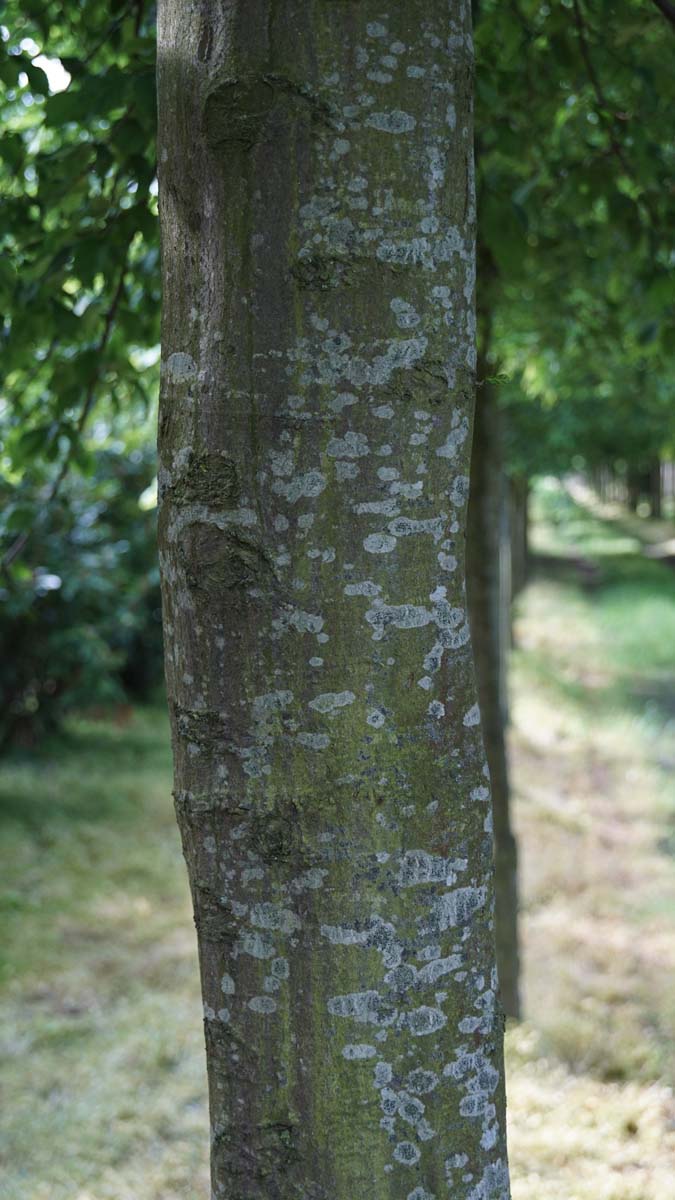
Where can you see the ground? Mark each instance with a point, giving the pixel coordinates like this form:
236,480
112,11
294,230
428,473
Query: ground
103,1082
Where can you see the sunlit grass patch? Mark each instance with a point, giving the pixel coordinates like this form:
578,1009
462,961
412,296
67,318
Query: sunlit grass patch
592,745
104,1090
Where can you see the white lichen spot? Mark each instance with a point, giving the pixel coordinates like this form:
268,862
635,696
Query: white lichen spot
436,709
407,1153
399,616
257,945
367,1008
377,935
327,702
352,445
409,491
262,1004
365,588
312,483
227,985
180,367
379,543
424,1020
454,440
376,29
392,122
345,470
418,866
376,718
456,908
420,1081
359,1050
281,462
315,661
447,562
382,1075
407,527
387,474
305,622
224,1015
313,741
341,401
273,916
426,682
459,492
384,508
309,880
472,717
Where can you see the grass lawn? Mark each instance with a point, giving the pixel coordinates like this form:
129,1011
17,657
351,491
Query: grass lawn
103,1085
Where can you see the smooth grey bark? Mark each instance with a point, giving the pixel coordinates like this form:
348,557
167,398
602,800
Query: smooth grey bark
318,362
489,594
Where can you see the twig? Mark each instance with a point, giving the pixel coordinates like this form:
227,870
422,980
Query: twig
667,9
609,116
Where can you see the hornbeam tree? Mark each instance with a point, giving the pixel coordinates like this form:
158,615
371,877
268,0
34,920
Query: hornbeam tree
318,365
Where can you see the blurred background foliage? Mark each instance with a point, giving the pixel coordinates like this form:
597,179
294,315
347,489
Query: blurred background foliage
79,313
575,158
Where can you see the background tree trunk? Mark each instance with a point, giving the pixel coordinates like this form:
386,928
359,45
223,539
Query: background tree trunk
489,594
317,388
518,529
655,488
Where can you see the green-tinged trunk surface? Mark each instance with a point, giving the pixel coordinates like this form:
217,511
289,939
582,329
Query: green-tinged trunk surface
489,592
317,390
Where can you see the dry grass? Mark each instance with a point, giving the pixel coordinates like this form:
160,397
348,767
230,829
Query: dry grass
103,1080
593,742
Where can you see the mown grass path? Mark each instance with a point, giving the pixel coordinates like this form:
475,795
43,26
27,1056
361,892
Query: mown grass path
593,750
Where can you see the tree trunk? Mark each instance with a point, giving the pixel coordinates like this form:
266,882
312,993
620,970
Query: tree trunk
634,484
655,488
519,529
489,594
317,387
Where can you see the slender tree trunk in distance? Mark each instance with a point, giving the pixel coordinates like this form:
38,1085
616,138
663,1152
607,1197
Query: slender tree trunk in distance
489,594
655,488
519,494
317,390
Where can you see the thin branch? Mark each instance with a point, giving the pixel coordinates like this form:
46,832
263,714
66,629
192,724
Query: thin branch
586,55
667,9
610,117
19,542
